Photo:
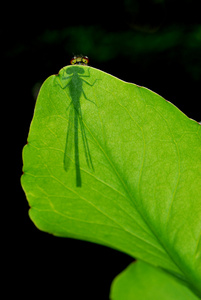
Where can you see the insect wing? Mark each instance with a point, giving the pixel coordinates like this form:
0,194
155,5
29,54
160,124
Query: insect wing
68,152
86,146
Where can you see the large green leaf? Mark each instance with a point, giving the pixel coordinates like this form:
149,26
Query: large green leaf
140,281
128,176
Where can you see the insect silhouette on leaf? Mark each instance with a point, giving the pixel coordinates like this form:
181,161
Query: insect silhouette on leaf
76,76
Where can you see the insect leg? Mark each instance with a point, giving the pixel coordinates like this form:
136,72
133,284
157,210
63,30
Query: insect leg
68,77
91,84
63,87
69,141
87,98
86,75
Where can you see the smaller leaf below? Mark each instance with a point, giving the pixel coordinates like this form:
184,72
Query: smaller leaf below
141,281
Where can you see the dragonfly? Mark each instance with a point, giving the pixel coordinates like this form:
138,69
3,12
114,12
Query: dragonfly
76,75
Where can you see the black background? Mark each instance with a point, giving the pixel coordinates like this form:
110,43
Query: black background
151,43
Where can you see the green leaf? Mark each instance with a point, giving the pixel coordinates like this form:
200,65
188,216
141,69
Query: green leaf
114,163
141,281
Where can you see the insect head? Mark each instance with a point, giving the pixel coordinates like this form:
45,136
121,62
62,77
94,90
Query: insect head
79,60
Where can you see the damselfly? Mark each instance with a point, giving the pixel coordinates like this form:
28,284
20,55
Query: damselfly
76,76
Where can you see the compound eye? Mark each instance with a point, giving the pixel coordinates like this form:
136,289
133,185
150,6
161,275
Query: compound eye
85,60
73,60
